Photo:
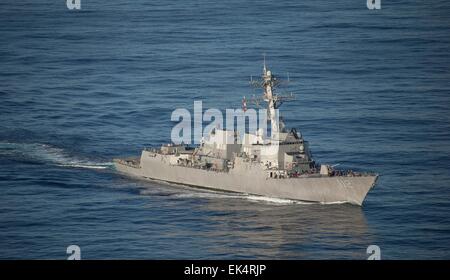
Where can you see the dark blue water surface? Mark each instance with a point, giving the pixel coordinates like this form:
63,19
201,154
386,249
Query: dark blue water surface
78,88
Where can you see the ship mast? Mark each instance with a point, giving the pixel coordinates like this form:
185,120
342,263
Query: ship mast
269,82
268,85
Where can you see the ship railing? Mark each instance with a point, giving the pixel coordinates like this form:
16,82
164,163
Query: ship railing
131,162
336,173
201,167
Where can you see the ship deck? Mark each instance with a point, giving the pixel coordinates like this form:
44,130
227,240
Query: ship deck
130,161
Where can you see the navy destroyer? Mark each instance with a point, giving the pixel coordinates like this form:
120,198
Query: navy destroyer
277,166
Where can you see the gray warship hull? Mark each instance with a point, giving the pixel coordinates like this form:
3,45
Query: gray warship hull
249,178
279,165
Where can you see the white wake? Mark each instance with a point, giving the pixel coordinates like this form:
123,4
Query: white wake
48,154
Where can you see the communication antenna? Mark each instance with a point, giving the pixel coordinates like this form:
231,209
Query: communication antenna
264,59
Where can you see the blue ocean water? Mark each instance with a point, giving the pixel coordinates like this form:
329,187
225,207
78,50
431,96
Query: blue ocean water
78,88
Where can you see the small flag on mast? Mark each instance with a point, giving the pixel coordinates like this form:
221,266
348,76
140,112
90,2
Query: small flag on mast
244,104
